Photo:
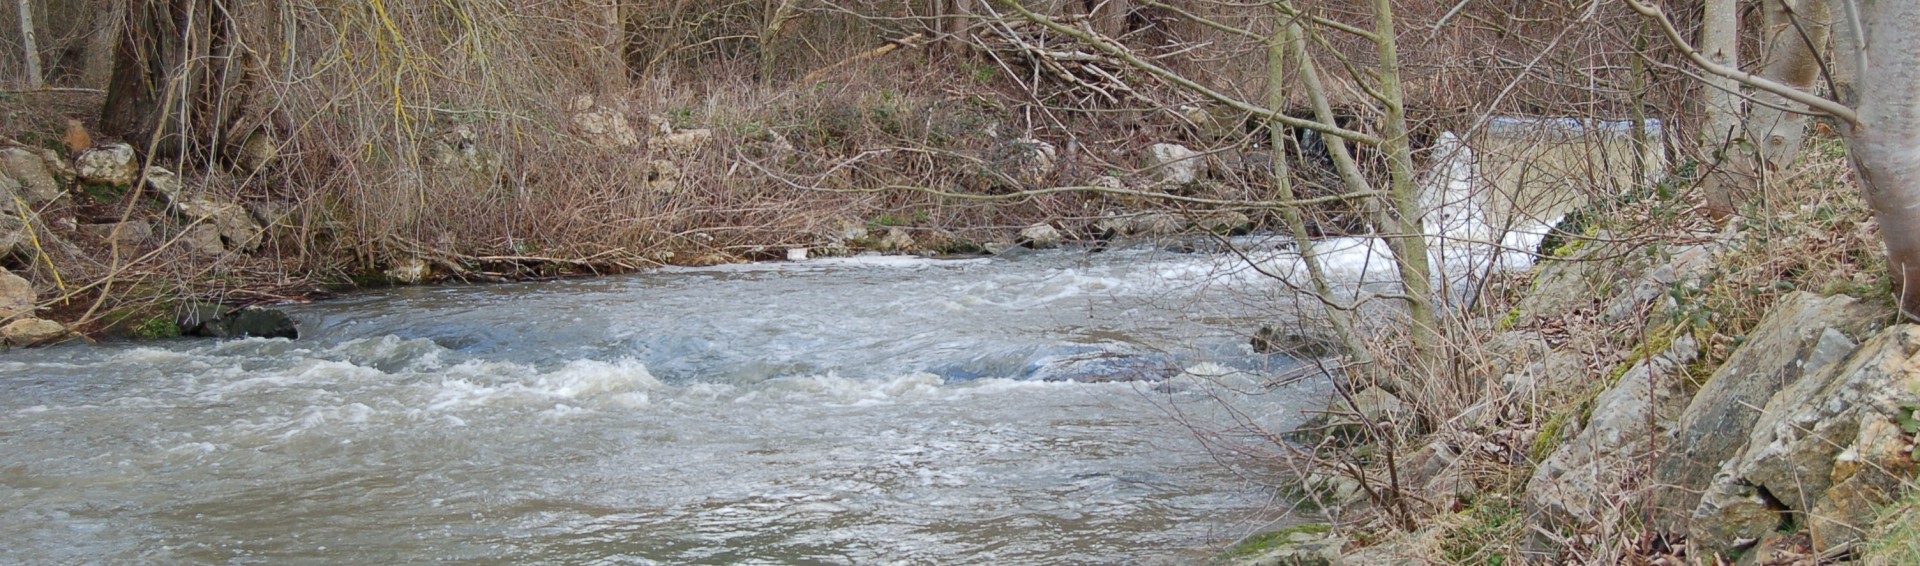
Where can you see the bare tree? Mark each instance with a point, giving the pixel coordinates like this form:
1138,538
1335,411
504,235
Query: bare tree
196,52
1749,145
1882,128
30,49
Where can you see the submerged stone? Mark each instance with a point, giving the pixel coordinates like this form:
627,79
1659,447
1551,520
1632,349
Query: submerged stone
210,321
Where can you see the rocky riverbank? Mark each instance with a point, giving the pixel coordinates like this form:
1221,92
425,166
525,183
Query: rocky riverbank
1745,396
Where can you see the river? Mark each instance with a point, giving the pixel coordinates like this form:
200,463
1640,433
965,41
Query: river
1040,409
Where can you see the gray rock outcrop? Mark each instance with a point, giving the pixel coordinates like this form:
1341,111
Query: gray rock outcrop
1827,453
1041,236
232,223
28,172
1801,334
1574,484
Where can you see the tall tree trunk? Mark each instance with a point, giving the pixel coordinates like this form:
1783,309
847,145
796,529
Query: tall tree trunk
29,48
194,47
1845,68
1719,132
1339,314
1793,37
1404,230
1885,144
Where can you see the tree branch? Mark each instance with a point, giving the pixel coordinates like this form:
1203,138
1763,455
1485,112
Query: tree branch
1822,105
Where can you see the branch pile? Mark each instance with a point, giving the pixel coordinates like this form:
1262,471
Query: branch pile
1086,77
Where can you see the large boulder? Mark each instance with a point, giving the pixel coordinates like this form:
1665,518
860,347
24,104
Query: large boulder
32,332
602,126
1803,333
17,297
129,234
1147,224
235,226
29,172
1041,236
1827,452
215,321
1175,164
113,164
1582,479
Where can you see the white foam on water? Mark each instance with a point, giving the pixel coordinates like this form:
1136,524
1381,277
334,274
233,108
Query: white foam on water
624,382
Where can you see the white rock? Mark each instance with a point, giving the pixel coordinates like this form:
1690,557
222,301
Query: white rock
605,127
411,271
1176,164
662,176
1042,236
684,140
112,164
204,239
796,254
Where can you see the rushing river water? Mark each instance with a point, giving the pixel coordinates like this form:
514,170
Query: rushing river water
839,411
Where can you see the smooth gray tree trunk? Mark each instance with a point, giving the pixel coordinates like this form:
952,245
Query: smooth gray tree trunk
1720,43
29,48
1885,143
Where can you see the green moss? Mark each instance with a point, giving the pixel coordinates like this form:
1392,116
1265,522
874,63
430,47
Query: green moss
1258,544
1895,537
1483,534
1508,322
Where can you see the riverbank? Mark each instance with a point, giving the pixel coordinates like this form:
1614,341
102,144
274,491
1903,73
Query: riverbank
1661,391
616,184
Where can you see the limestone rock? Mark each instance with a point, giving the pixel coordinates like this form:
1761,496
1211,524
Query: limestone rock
113,164
1041,236
231,221
1176,165
1686,265
204,239
1618,285
132,233
1579,482
895,240
1141,225
32,331
1802,333
17,297
1227,223
602,126
684,140
662,176
410,271
14,238
1826,451
36,183
1347,424
1029,160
